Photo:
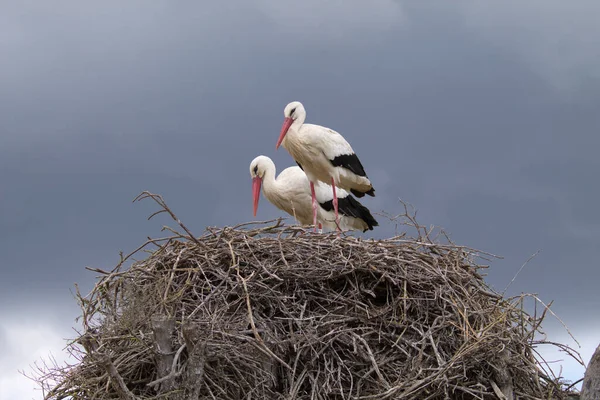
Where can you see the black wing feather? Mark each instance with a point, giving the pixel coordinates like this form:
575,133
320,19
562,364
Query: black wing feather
351,207
350,162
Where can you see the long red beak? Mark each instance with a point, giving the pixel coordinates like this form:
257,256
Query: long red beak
286,125
256,182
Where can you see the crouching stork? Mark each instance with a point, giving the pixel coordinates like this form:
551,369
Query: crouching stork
290,191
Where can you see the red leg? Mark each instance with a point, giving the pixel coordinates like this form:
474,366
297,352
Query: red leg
314,205
335,205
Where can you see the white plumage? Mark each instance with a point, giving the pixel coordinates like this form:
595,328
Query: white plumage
323,154
290,192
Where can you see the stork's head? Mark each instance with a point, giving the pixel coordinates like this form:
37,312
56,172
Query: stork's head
258,167
291,113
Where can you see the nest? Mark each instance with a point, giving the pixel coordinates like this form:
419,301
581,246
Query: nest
271,311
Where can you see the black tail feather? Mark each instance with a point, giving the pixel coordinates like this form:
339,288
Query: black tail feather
358,194
350,207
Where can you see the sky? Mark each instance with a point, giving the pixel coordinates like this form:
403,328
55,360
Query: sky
483,115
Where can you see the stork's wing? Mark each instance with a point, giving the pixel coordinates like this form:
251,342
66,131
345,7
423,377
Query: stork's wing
338,151
350,162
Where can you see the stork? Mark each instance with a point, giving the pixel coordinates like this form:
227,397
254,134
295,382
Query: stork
290,192
324,155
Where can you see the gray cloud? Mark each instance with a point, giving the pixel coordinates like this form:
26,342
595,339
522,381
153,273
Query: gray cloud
555,38
335,20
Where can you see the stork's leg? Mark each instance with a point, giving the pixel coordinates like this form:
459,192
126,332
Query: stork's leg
335,205
314,205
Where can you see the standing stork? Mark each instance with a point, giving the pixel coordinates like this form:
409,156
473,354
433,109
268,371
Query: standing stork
324,155
290,192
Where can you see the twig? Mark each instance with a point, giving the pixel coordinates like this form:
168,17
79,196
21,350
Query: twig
161,202
174,372
519,271
116,379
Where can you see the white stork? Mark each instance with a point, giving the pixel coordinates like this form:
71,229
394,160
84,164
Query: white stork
290,192
324,155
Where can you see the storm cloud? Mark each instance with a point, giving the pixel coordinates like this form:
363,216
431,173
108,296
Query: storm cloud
484,117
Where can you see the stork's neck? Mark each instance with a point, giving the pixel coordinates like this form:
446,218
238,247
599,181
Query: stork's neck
268,181
299,121
294,130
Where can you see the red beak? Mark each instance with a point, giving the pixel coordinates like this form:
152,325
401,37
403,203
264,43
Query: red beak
256,182
286,125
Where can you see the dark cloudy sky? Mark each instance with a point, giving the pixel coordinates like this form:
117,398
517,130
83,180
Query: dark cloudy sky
483,115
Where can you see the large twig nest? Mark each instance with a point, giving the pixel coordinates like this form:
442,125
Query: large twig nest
278,313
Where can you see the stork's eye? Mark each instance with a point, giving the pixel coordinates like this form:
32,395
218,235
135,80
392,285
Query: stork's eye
292,112
256,170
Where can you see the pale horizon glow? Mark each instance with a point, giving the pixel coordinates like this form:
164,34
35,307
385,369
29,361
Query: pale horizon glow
25,344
